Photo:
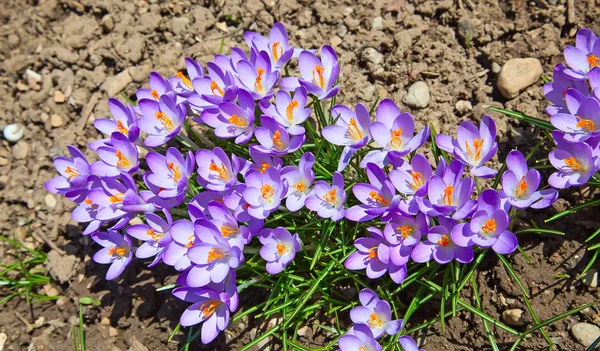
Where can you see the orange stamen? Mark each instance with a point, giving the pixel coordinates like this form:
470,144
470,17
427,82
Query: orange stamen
522,187
258,81
353,130
190,243
406,230
593,61
214,86
223,173
154,235
418,179
154,94
585,124
227,230
88,201
72,172
267,191
444,241
374,321
396,141
214,254
121,128
175,170
166,121
116,198
447,199
330,196
489,226
277,141
119,251
289,111
377,197
276,53
264,167
184,79
208,308
122,161
235,120
373,252
319,79
281,248
477,144
300,186
572,163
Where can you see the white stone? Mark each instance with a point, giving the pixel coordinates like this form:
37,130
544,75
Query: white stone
463,106
377,22
13,132
513,317
50,201
590,278
518,74
418,95
585,333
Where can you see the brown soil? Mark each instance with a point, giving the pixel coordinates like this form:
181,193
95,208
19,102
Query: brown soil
77,46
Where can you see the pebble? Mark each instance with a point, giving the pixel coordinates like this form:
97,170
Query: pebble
113,332
105,321
50,201
335,41
3,339
59,97
13,132
222,26
50,290
585,333
590,278
377,22
518,74
418,95
108,23
115,84
373,56
463,106
496,68
34,75
3,161
20,150
62,301
513,317
22,87
56,121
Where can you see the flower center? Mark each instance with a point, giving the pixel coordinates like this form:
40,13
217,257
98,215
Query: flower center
353,131
489,226
277,141
362,348
154,94
372,252
121,128
396,141
318,79
522,187
300,186
418,179
117,251
223,173
154,235
263,167
122,161
166,121
72,172
209,307
214,86
477,144
227,230
190,243
447,199
185,80
405,230
274,49
444,240
238,121
593,61
375,196
281,248
175,170
258,81
572,163
289,111
585,124
267,191
116,198
374,321
215,254
331,196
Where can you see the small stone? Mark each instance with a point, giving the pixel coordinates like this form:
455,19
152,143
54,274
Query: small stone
463,106
50,201
377,22
39,322
113,332
115,84
222,26
56,120
336,41
59,97
585,333
13,132
372,56
518,74
496,68
3,339
50,290
108,23
590,278
62,301
3,161
418,95
513,317
302,331
105,321
22,87
20,150
136,345
34,75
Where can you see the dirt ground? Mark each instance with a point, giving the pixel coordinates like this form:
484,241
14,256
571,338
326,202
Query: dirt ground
85,50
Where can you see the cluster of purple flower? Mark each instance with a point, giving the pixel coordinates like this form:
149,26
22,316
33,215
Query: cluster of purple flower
575,113
371,321
206,243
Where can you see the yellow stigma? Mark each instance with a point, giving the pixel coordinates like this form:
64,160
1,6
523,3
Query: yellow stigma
318,79
289,111
263,167
353,131
121,128
122,161
444,241
522,187
190,243
175,170
274,50
300,186
572,163
154,94
405,230
330,196
396,141
116,198
374,321
277,141
372,252
593,61
166,121
267,191
258,81
214,254
208,308
418,180
185,81
154,235
281,248
119,251
223,174
477,144
375,196
235,120
227,230
72,172
585,124
447,199
489,226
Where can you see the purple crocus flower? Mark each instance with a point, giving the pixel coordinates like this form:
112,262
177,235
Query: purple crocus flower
116,251
403,233
409,344
488,226
183,238
287,111
411,180
215,170
279,248
274,139
210,306
394,131
169,173
182,85
120,156
299,180
448,194
260,162
161,119
440,247
556,91
318,76
258,78
376,314
360,338
328,200
231,120
473,147
378,197
158,87
520,185
212,257
576,162
74,176
277,45
222,218
155,235
351,130
584,56
124,121
581,124
264,192
213,89
87,210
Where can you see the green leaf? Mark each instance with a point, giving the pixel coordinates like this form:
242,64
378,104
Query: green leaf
523,117
86,300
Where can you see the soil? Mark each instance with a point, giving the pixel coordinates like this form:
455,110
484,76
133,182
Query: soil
85,50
